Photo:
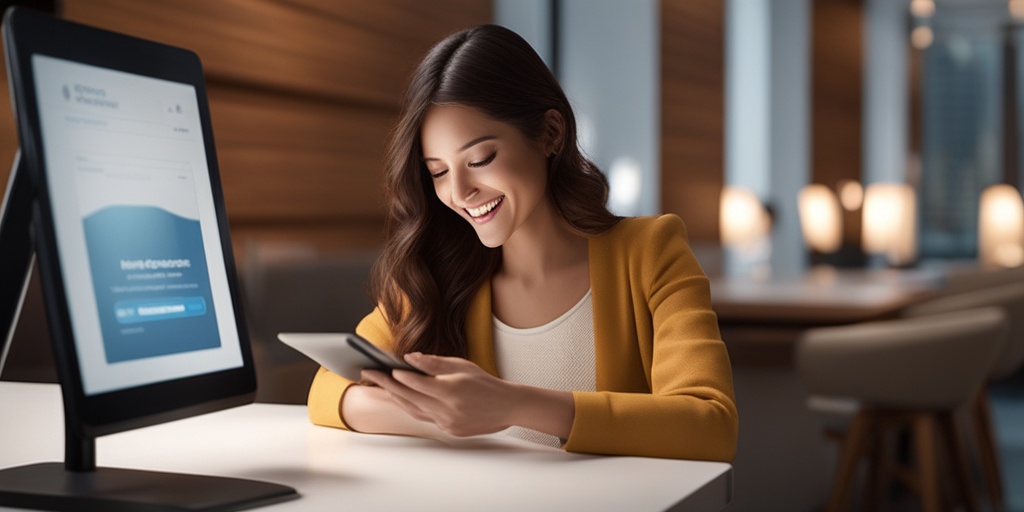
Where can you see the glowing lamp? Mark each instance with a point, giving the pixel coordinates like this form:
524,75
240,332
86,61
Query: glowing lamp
889,224
1001,227
743,220
820,218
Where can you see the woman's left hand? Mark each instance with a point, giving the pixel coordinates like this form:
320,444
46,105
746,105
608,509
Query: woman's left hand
456,395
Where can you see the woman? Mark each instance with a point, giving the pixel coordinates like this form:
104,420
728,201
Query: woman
506,279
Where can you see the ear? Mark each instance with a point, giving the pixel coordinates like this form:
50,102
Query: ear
554,132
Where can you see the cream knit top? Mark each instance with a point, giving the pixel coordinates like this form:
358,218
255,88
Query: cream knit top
558,355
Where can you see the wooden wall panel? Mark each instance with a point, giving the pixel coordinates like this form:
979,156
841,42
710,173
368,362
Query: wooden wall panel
303,94
297,46
836,99
693,111
286,158
836,70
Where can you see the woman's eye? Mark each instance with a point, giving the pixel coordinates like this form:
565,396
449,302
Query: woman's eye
437,175
483,162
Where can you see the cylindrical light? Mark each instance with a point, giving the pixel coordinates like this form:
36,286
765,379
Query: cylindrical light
851,194
889,224
821,219
1016,8
1001,227
921,37
742,217
922,8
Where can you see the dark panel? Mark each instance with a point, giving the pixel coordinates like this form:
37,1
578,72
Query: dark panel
692,123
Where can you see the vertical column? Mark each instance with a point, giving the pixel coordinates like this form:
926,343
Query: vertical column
886,91
531,19
790,128
609,64
608,53
768,115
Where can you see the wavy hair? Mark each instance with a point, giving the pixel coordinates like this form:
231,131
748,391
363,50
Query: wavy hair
432,262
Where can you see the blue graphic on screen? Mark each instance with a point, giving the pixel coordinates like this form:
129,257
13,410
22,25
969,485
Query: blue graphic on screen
152,286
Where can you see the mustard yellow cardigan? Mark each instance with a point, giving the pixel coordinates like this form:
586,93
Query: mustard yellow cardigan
664,383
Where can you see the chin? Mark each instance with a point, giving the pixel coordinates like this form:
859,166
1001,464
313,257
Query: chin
493,244
491,240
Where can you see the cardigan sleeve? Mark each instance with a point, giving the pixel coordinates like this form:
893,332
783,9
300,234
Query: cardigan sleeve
690,410
328,388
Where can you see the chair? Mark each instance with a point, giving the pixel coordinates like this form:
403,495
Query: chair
1011,298
905,374
302,292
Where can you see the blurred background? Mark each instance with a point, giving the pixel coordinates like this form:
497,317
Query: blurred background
845,154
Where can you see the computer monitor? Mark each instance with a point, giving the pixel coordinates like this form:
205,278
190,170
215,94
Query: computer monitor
119,177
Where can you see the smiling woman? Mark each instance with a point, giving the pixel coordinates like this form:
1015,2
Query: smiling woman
505,278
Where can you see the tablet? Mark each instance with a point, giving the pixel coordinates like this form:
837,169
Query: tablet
344,353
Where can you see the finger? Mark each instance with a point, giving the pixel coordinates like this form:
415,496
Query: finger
402,390
425,385
371,377
437,365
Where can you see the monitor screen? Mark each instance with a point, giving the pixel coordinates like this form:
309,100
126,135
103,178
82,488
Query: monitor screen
135,224
131,237
129,225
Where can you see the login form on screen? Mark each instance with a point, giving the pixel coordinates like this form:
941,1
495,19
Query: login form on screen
136,226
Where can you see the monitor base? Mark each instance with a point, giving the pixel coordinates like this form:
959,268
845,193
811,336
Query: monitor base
49,486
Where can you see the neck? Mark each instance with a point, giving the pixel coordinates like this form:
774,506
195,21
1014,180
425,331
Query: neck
543,246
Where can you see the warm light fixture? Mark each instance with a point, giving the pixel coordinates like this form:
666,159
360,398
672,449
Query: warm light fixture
922,8
889,223
821,219
1001,227
851,194
1016,8
921,37
743,220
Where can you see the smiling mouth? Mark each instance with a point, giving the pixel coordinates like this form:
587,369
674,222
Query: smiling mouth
485,209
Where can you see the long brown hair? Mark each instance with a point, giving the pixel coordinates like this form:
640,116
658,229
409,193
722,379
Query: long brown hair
432,262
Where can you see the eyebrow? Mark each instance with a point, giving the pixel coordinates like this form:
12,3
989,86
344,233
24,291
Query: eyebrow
469,144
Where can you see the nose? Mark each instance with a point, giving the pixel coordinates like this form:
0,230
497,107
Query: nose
463,188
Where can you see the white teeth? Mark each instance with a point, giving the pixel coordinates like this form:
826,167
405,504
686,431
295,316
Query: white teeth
483,210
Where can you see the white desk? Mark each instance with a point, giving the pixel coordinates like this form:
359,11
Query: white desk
338,470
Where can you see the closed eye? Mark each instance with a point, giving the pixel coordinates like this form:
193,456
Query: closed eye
485,161
437,175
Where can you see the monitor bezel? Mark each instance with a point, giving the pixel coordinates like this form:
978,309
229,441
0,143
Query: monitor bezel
27,33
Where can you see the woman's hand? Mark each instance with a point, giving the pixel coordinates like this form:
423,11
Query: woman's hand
463,400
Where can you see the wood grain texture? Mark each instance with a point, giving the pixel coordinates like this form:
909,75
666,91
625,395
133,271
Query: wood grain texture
353,50
837,59
693,111
836,99
303,94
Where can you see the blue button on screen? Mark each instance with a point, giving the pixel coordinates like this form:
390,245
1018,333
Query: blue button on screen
135,311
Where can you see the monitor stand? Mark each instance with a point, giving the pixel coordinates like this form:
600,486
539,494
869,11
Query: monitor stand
77,484
16,251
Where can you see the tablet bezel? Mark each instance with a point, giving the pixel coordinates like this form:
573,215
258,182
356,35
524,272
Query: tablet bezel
27,33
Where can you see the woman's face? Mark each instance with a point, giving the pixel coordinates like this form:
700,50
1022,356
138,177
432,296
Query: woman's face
487,171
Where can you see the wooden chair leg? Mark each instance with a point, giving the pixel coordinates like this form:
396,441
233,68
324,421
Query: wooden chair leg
981,414
881,468
958,460
926,456
852,451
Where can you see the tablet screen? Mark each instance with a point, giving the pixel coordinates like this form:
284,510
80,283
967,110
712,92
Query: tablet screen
135,225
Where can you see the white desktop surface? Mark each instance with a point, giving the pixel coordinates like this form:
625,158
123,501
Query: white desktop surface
338,470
